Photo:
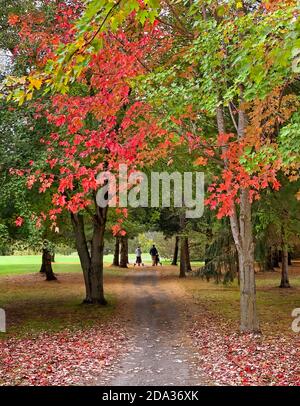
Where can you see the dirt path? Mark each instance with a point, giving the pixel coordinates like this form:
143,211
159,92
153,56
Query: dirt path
160,352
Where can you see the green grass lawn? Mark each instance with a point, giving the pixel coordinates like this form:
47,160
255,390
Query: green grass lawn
26,264
19,264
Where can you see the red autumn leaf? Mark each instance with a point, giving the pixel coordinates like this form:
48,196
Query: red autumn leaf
200,161
13,19
19,221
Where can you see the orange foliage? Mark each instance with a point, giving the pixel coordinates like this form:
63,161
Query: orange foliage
267,115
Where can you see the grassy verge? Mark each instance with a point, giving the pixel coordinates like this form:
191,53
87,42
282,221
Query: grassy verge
33,305
275,305
27,264
30,264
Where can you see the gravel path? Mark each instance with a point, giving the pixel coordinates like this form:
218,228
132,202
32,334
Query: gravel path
160,353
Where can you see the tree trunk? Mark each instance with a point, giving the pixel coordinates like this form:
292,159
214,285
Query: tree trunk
285,283
209,236
47,266
206,256
243,237
183,267
91,262
275,259
124,252
116,261
242,234
43,268
53,257
238,269
187,255
268,265
96,274
249,320
176,249
83,252
290,259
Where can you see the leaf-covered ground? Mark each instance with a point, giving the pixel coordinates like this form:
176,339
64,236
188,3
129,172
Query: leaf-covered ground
53,340
230,358
63,358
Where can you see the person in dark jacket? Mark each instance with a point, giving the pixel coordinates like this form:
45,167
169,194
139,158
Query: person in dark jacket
154,256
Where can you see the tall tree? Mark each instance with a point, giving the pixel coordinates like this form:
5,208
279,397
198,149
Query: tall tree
238,59
96,127
224,85
176,250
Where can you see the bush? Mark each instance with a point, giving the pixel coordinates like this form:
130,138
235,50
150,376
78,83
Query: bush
5,244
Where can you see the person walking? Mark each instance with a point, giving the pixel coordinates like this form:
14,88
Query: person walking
138,253
154,255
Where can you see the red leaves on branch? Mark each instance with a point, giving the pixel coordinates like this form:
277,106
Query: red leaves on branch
239,170
225,192
117,230
103,125
13,19
40,35
19,221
